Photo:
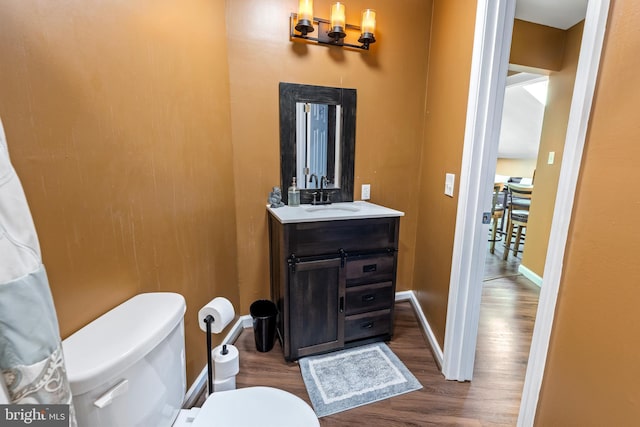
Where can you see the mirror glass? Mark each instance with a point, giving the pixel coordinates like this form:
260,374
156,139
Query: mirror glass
318,130
317,140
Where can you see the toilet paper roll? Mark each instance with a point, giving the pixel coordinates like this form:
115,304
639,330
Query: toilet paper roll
225,365
224,385
222,312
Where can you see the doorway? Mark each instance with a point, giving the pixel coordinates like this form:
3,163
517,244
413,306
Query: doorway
490,58
523,118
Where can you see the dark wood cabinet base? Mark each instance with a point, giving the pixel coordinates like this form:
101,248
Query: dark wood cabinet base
333,282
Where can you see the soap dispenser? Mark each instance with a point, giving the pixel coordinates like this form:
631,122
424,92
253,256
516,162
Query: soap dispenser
294,194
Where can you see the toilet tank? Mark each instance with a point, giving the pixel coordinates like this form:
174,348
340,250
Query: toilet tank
127,367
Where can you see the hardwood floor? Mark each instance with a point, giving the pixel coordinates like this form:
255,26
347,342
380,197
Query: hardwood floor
491,399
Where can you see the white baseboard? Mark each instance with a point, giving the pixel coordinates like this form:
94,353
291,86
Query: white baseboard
530,275
200,382
422,320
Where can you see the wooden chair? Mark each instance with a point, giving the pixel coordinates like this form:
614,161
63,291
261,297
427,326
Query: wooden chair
497,212
519,202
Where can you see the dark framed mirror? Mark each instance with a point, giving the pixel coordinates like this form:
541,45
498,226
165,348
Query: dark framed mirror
317,140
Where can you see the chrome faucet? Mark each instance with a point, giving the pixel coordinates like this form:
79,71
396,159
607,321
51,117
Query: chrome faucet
324,198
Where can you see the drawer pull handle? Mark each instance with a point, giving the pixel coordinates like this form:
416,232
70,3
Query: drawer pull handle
341,303
368,298
367,325
369,268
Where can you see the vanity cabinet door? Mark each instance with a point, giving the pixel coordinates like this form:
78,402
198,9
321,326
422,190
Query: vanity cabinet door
316,306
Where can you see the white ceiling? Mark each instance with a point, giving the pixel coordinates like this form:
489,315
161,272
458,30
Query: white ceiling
562,14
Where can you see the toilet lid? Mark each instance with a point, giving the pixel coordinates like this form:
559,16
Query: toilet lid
255,406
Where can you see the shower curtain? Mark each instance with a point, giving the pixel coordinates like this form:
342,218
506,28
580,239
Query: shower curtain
31,359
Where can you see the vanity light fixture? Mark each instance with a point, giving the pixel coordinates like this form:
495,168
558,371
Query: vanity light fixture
334,31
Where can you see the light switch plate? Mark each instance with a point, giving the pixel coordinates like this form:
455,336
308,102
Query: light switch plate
552,157
449,183
366,192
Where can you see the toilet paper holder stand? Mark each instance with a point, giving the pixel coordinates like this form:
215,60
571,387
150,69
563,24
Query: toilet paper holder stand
209,320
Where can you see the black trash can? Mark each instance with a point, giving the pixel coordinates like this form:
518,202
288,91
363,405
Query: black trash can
264,314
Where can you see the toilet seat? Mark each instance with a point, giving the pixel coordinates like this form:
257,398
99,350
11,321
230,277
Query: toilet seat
255,406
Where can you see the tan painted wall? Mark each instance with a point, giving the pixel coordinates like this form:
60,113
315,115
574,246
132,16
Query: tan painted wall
592,366
516,167
537,46
390,80
552,138
447,93
117,117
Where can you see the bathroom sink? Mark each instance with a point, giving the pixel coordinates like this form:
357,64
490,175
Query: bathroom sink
333,212
331,208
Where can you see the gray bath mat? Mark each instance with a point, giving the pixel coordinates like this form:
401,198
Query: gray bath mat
355,377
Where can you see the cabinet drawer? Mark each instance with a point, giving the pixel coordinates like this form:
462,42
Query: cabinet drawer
370,269
367,325
365,298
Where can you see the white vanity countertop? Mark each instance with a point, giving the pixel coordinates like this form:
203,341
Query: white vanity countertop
332,212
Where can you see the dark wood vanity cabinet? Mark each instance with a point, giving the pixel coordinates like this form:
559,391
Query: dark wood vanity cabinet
333,282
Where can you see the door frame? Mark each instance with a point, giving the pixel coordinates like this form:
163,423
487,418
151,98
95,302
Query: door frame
492,40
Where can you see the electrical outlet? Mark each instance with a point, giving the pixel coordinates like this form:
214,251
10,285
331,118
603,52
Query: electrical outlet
366,192
449,183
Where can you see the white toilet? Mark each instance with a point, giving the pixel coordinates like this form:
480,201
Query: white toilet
127,368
